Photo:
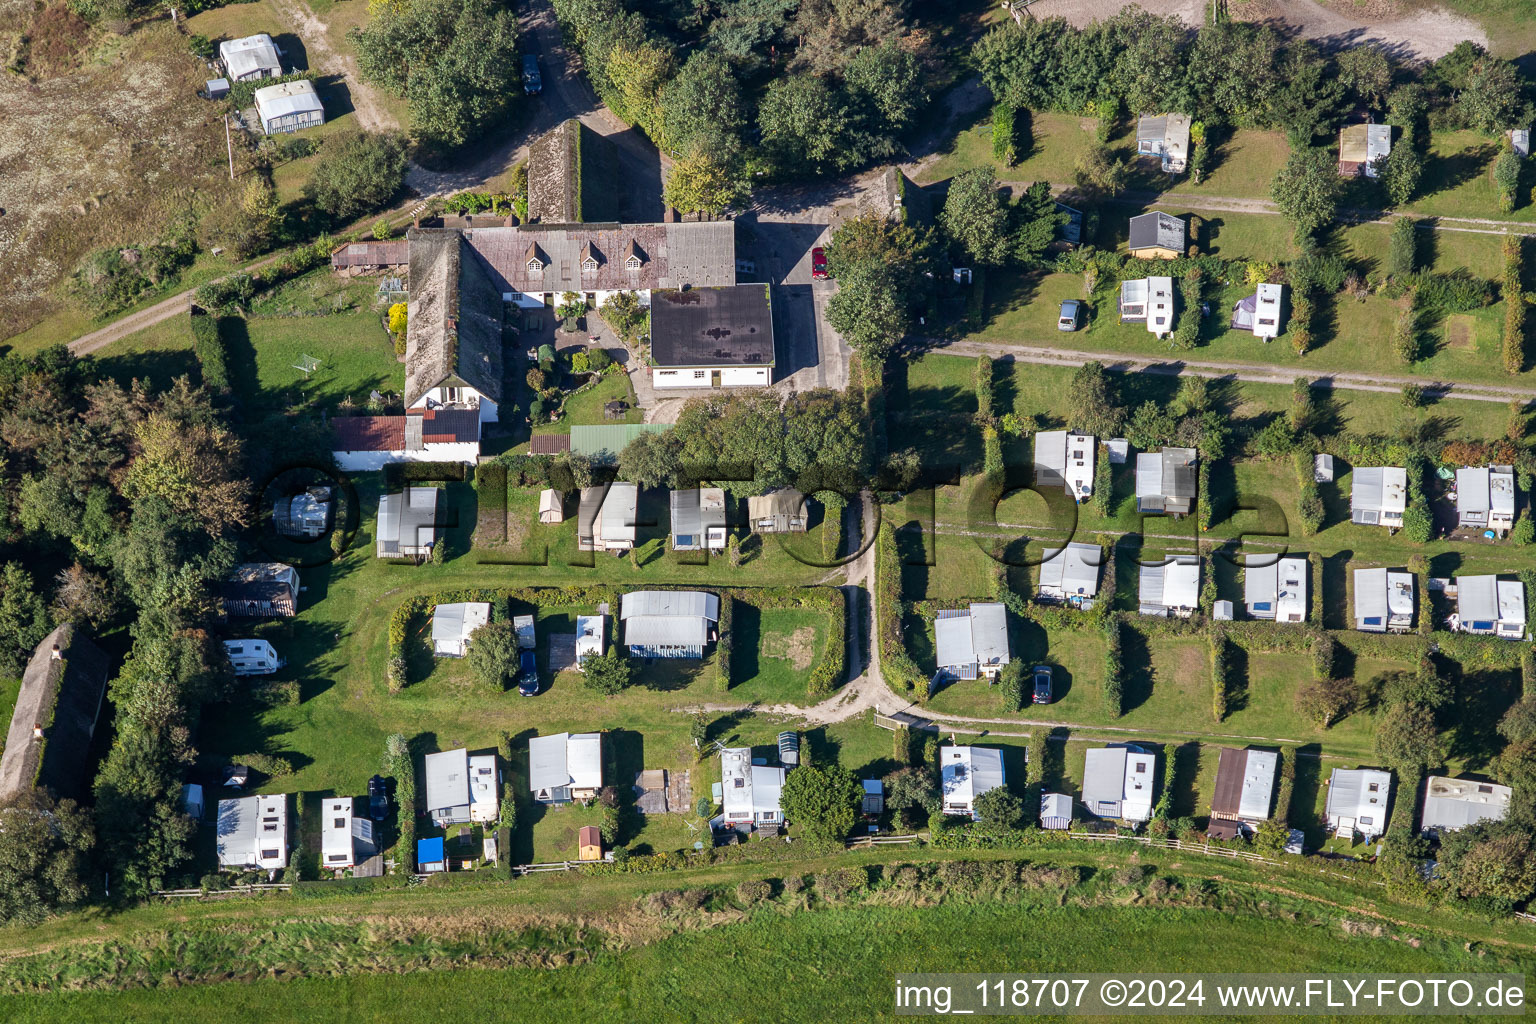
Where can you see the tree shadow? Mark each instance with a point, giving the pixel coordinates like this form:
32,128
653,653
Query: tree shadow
1140,676
1184,777
1482,697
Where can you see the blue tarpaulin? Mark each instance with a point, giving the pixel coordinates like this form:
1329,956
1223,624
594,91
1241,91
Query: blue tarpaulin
429,851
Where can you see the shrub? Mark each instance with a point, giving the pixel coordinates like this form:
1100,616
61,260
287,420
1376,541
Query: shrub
1221,656
754,891
1418,524
1004,138
208,346
841,884
1524,531
1011,685
1401,248
1405,338
1513,347
357,173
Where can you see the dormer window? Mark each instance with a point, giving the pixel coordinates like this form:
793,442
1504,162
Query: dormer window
535,260
633,258
589,258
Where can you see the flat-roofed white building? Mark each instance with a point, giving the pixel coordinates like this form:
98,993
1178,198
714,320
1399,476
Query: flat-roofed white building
1160,306
1378,496
608,518
1485,498
589,637
1277,591
1489,606
345,838
1065,459
447,774
965,773
565,767
1451,804
974,642
252,832
1070,574
1383,600
484,788
1357,801
1170,589
1118,782
749,793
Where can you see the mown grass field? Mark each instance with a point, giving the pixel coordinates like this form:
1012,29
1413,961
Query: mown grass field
838,962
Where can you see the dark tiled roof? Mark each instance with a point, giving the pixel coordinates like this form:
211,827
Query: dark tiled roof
712,327
1229,781
453,332
395,253
446,426
368,434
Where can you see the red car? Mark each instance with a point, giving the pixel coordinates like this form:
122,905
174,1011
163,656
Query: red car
819,264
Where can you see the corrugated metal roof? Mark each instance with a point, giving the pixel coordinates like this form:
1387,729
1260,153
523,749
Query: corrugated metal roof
1149,475
604,442
1072,571
1451,804
989,632
953,645
277,101
447,779
1104,780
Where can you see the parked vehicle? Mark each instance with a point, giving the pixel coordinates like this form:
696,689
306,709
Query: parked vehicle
527,673
1071,318
1042,684
533,81
378,798
819,264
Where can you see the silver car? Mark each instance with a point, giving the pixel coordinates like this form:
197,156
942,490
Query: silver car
1071,317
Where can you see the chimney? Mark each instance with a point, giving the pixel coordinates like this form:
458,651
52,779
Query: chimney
55,654
669,216
416,221
37,732
511,220
469,221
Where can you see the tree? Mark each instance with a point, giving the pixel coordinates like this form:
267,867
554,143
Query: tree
907,788
397,318
1307,189
885,87
493,654
1011,685
1491,863
43,851
455,61
1366,71
1407,738
699,183
1491,101
823,802
1035,222
1402,247
652,460
24,618
195,465
1000,807
357,173
975,218
879,265
1325,701
702,112
607,675
1403,170
804,124
81,595
1519,723
1099,175
1095,407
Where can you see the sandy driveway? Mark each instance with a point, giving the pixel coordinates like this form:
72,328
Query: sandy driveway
1425,34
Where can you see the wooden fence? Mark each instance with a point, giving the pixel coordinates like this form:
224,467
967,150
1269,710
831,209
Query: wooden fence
237,890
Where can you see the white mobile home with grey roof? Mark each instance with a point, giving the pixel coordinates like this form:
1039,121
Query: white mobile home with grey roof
1357,801
1451,804
1384,601
1118,781
289,107
1171,589
749,793
251,58
973,642
1166,481
453,624
407,523
1378,496
698,519
1070,574
565,767
252,832
668,623
1064,459
1485,498
965,774
447,774
608,518
1489,606
1278,591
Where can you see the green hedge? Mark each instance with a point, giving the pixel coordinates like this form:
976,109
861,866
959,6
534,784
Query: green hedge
208,346
724,646
1221,664
1114,669
896,665
398,474
1004,134
1282,813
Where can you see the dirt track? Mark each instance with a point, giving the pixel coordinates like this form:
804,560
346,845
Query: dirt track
1423,34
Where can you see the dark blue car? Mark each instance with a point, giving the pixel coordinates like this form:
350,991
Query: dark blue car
527,673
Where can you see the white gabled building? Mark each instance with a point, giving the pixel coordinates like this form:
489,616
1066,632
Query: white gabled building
972,643
1485,498
1065,459
1171,589
452,625
965,773
345,838
1357,801
1070,574
1277,591
252,832
1384,600
749,793
1378,496
1118,781
565,767
1489,606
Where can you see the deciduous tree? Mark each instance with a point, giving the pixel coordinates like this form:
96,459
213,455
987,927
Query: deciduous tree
822,801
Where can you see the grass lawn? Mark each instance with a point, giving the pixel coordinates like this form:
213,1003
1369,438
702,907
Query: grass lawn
1458,179
773,650
586,408
837,962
